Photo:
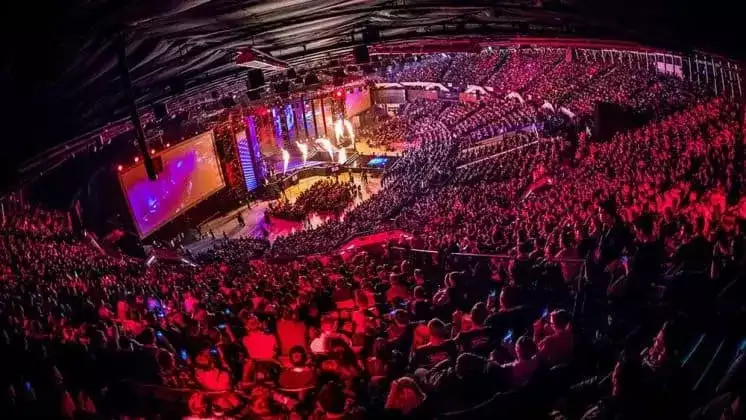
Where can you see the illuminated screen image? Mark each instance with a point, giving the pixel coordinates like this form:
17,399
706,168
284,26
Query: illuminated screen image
357,102
378,162
191,173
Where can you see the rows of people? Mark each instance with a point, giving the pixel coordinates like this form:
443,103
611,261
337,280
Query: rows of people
324,196
608,272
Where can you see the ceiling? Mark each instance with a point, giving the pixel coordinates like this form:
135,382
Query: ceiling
60,70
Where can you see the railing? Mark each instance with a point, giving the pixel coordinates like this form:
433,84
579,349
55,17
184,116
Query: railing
486,256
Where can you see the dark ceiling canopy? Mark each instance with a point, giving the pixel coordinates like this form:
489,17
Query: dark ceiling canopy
60,76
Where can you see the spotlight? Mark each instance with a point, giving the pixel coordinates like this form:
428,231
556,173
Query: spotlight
137,159
119,168
168,144
152,151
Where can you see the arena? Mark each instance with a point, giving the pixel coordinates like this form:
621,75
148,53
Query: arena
352,210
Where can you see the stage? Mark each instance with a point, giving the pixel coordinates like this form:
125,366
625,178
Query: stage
256,225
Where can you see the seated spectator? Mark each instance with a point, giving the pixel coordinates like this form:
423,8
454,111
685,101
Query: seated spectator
439,348
258,343
522,369
299,376
406,400
555,338
478,338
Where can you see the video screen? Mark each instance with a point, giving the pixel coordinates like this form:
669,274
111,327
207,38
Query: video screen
191,173
378,162
356,102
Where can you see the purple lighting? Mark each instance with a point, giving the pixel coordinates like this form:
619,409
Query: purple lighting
191,172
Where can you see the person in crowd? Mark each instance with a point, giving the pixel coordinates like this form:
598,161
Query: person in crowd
554,337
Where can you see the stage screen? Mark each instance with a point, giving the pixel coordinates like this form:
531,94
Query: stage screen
191,173
356,102
390,96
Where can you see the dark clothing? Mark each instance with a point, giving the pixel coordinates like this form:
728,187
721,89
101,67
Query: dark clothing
430,355
519,319
695,255
521,272
613,241
453,393
421,311
477,341
647,263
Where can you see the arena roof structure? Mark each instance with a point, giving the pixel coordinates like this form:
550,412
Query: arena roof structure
61,77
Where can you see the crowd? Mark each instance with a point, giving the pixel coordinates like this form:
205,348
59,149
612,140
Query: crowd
471,69
324,196
428,69
614,288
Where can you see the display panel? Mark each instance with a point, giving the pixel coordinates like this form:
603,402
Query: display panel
357,102
191,172
390,96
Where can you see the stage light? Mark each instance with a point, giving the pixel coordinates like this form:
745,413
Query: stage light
119,168
338,130
340,127
152,151
350,131
327,145
303,150
285,160
168,144
137,159
342,156
339,94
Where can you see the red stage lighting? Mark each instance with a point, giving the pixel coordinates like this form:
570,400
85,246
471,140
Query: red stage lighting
339,94
137,159
119,168
168,144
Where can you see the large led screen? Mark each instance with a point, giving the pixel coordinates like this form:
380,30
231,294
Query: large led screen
191,173
357,102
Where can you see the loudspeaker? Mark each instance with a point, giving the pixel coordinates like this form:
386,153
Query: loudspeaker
160,111
228,102
282,87
371,34
361,54
339,77
255,79
254,95
177,86
312,79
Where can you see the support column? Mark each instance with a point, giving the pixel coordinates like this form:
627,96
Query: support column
303,113
313,118
284,127
124,72
323,118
